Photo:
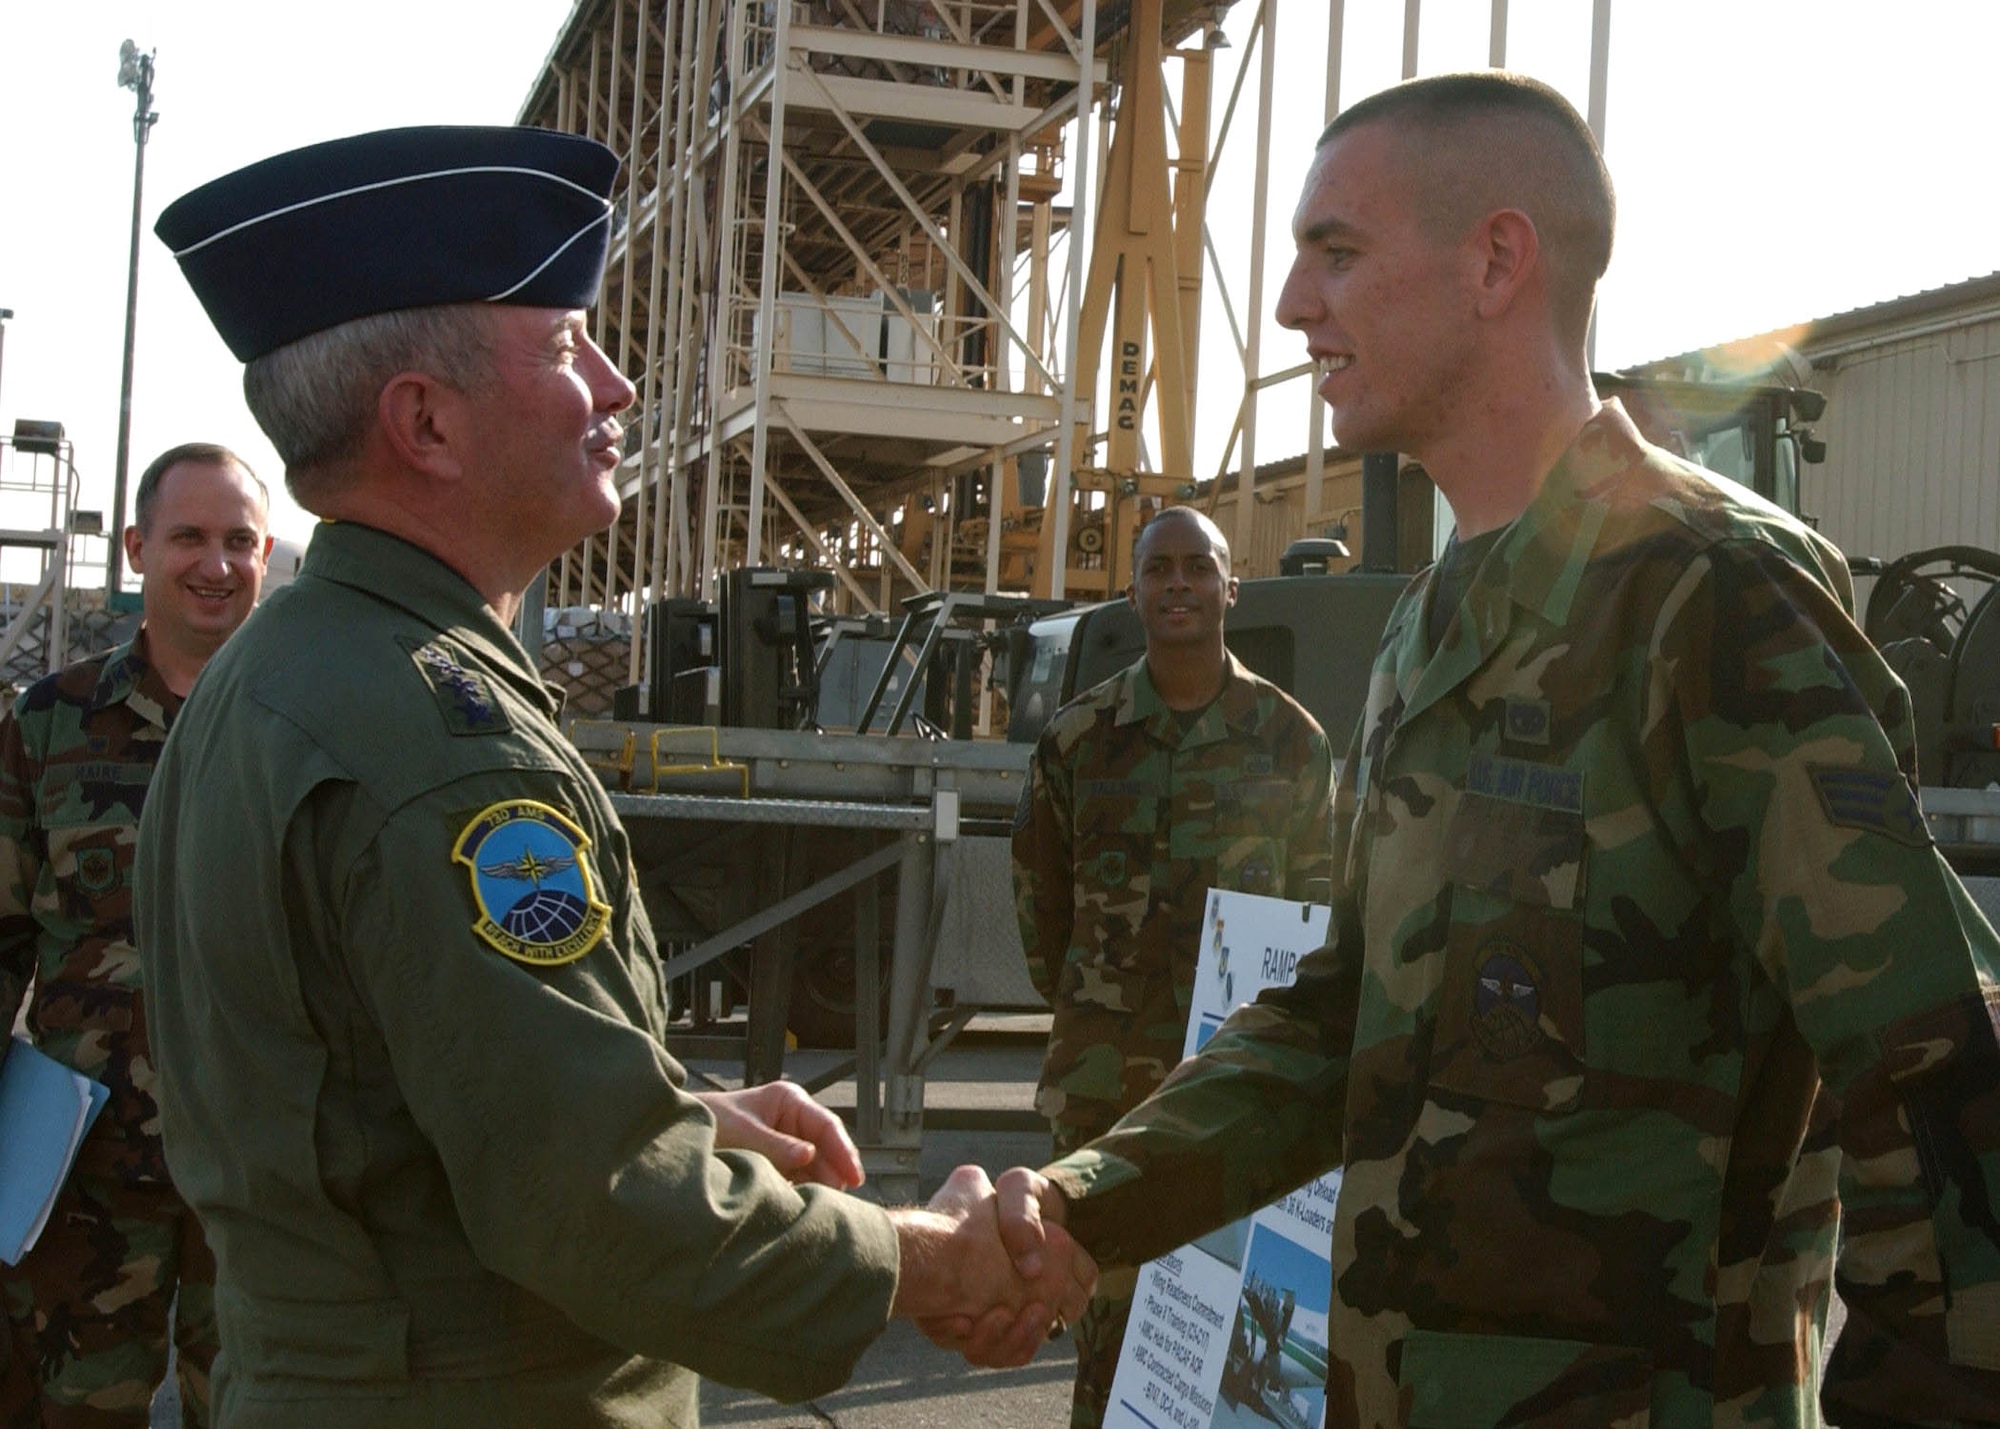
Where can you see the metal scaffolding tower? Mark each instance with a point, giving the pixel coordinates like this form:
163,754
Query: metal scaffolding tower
834,276
48,615
864,340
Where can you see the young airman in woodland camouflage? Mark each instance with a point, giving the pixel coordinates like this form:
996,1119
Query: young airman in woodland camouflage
89,1307
1646,988
1183,773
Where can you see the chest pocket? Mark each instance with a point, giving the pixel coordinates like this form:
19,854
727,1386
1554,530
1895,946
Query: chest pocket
94,859
1510,1019
91,819
1252,864
1250,825
1117,824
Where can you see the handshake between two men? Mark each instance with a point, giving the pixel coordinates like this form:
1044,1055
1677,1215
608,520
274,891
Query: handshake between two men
986,1269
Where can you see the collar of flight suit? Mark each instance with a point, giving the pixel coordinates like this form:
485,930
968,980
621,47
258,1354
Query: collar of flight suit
1537,566
391,570
1234,709
128,677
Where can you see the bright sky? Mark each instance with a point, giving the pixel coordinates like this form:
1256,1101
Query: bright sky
1776,161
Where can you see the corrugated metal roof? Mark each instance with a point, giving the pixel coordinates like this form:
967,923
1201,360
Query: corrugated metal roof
1969,296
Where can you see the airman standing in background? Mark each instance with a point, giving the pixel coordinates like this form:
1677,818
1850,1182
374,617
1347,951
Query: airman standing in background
1182,773
91,1307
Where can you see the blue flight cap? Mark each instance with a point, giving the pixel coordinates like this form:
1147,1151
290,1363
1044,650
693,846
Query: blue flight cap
402,218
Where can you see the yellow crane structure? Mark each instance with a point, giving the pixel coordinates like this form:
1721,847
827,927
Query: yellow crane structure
913,290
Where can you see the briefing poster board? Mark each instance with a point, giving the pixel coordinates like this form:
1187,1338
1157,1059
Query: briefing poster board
1231,1330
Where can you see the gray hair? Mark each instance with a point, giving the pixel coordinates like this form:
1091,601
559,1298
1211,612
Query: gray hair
315,398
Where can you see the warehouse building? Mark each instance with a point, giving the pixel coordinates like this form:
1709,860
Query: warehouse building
1912,422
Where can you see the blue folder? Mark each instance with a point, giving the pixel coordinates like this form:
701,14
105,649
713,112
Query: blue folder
46,1109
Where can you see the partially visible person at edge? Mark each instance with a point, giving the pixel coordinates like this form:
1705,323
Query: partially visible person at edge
1651,1015
92,1307
1181,773
406,1003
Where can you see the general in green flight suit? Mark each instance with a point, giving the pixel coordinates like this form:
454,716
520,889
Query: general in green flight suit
407,1006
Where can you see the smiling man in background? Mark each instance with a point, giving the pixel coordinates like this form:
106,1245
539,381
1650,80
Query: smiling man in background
89,1307
1181,773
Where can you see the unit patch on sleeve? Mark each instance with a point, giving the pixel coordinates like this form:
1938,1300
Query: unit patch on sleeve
531,878
1875,801
464,697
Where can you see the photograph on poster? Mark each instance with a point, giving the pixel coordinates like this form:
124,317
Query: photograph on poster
1275,1371
1226,1245
1231,1329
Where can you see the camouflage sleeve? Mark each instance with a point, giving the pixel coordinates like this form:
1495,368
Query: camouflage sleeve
1256,1113
1799,745
1309,842
20,867
1044,882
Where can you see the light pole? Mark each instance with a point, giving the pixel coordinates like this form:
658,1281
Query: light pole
5,313
135,72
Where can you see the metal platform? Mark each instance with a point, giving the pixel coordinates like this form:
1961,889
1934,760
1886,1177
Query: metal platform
812,818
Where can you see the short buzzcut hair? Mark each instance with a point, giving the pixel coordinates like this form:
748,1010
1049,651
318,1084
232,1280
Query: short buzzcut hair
1489,139
1201,520
146,500
315,398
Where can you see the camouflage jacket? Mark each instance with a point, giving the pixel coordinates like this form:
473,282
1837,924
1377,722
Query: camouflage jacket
1631,876
1125,824
76,755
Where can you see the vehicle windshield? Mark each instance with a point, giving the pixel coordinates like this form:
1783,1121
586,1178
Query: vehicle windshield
1725,439
1728,450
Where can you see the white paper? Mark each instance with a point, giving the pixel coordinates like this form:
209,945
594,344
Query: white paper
1232,1329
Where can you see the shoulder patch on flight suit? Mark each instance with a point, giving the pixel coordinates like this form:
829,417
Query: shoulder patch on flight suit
1872,800
464,697
531,879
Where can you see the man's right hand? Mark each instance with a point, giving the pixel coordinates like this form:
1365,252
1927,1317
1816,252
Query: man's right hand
983,1273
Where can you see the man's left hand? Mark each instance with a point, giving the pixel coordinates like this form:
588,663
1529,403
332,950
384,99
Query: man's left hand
804,1140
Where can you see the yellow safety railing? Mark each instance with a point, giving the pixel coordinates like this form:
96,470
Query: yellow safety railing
611,748
671,766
